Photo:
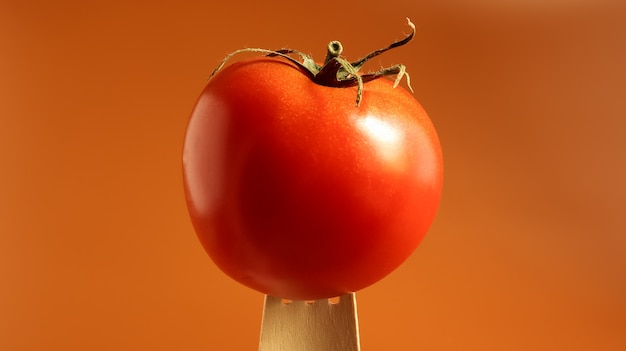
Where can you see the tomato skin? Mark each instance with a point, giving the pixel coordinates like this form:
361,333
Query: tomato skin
296,192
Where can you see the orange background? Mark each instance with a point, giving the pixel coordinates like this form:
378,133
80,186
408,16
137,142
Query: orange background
528,251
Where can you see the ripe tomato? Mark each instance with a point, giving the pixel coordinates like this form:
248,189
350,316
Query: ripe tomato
296,192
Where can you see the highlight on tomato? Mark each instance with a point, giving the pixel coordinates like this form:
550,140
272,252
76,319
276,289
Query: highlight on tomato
307,181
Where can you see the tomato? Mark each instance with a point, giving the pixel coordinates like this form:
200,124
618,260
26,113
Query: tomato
296,192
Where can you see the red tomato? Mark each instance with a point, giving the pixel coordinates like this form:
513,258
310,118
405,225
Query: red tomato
296,192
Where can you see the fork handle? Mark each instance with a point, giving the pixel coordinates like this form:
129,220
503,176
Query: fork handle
310,326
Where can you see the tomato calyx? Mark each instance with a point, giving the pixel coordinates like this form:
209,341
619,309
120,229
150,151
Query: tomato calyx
336,70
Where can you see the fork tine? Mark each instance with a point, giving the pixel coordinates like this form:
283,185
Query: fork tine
303,326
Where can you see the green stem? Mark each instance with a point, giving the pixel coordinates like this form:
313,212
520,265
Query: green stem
337,71
334,50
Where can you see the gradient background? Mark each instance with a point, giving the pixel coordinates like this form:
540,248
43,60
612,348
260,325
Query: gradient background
528,251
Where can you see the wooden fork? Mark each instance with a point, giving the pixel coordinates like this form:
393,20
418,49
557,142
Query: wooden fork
320,325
